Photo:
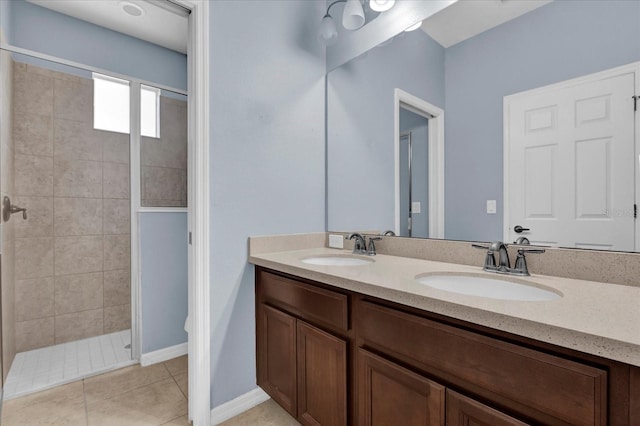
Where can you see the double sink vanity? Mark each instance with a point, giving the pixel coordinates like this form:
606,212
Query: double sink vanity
392,340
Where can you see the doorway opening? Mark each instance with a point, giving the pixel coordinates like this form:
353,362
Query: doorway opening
419,167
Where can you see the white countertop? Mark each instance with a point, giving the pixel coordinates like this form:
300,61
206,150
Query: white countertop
597,318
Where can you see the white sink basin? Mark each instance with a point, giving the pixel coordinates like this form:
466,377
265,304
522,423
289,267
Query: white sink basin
337,260
493,288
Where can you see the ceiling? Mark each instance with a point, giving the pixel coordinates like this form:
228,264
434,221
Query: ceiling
161,22
467,18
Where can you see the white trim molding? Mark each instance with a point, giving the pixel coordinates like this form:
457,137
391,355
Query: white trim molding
199,212
238,405
165,354
436,159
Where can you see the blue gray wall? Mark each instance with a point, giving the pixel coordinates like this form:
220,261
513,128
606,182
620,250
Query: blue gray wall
267,159
5,21
559,41
52,33
42,30
360,97
163,261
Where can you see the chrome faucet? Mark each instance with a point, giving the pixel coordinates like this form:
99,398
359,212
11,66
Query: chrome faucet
360,245
504,265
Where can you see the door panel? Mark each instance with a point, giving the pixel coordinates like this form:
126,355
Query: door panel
571,165
322,377
276,354
463,411
392,395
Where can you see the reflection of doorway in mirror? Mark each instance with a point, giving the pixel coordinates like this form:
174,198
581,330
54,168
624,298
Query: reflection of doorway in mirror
419,167
570,165
414,174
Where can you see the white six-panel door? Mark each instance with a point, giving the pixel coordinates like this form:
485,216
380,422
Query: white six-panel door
570,164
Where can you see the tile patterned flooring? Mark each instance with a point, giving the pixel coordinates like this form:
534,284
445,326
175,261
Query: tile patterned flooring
44,368
266,414
137,396
133,396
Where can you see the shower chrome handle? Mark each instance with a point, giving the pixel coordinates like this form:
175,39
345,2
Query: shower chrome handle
8,209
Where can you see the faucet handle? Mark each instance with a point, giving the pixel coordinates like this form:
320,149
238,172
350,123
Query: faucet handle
521,267
489,259
371,251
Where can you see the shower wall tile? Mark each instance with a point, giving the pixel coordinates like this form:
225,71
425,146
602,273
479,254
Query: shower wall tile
32,93
77,178
77,293
33,175
7,176
117,217
77,255
116,252
117,288
160,183
117,318
115,146
73,101
164,152
116,180
76,140
39,221
34,334
78,216
59,75
79,325
33,134
34,299
34,258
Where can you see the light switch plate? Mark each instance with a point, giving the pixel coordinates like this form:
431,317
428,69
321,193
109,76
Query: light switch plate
336,241
415,207
491,206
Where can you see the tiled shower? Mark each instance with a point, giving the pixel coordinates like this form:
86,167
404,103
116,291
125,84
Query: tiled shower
66,268
72,252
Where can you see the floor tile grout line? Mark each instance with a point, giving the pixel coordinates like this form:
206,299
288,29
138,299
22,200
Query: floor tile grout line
180,389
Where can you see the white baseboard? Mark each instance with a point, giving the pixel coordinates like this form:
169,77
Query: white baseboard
163,354
238,405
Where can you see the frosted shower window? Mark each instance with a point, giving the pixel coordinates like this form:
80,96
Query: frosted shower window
110,104
149,111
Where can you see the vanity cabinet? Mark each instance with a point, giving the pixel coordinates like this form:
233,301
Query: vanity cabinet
334,357
302,367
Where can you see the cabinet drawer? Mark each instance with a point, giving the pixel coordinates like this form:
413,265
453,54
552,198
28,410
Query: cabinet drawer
306,301
539,384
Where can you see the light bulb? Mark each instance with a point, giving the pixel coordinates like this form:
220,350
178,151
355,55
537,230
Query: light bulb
353,16
328,32
381,5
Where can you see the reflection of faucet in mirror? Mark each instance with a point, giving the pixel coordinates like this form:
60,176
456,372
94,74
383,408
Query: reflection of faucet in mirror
388,233
523,241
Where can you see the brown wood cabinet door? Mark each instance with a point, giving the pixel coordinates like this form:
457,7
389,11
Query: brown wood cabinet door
322,377
392,395
276,356
463,411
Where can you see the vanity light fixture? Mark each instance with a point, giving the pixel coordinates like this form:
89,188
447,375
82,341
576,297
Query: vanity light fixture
381,5
353,17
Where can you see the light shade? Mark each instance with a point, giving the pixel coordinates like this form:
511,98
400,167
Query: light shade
328,32
353,17
381,5
414,27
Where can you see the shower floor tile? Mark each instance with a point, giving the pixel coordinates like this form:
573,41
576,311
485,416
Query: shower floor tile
45,368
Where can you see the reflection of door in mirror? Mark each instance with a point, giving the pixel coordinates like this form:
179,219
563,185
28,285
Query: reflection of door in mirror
414,174
570,169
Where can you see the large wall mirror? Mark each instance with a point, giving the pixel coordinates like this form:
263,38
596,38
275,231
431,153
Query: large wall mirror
458,132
